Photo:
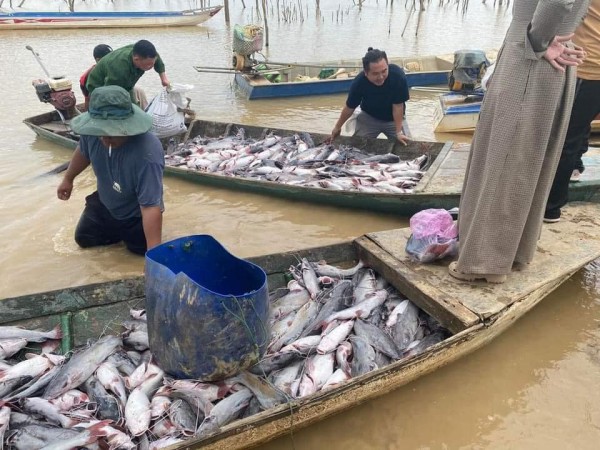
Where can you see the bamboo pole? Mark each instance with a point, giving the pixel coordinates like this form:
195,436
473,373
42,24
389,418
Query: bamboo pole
264,7
226,4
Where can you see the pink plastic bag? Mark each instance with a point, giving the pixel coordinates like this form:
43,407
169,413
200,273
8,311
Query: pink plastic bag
434,235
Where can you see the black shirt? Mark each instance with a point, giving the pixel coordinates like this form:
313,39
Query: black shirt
375,100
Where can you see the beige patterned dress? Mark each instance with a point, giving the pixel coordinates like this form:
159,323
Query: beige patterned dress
518,141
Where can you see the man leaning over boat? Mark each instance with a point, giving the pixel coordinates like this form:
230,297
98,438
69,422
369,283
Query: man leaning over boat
125,66
381,91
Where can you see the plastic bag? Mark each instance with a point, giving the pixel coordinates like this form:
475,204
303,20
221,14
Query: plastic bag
487,77
168,119
434,236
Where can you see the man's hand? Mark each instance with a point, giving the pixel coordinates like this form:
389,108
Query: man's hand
560,56
164,80
334,133
402,138
63,192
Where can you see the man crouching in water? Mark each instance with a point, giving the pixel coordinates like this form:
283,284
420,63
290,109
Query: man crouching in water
128,162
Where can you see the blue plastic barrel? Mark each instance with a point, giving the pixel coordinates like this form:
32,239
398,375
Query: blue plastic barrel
207,309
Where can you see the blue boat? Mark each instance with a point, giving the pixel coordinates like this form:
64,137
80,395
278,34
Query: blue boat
28,20
276,80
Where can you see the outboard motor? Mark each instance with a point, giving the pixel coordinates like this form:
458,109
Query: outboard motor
59,93
55,90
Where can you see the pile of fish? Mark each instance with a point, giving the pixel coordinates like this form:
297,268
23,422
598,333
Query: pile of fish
296,160
327,326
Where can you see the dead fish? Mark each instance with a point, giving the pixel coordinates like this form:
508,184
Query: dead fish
303,317
81,366
338,377
9,347
342,356
159,405
310,279
35,385
184,417
43,407
361,310
267,395
324,269
335,337
225,411
272,362
137,412
377,338
107,405
284,379
318,369
425,343
31,335
334,302
82,439
303,345
363,360
32,367
110,378
406,326
4,422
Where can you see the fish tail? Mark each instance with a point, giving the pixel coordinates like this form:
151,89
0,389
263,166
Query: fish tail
56,332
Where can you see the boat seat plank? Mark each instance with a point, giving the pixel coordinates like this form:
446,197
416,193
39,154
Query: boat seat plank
451,171
556,256
449,312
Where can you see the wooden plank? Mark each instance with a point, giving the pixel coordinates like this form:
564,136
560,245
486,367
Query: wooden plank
70,299
563,248
335,253
447,310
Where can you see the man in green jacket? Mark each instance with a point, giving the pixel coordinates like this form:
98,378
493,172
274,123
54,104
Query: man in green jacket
125,66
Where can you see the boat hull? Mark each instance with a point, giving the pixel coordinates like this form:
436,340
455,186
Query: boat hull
473,312
48,20
420,71
440,186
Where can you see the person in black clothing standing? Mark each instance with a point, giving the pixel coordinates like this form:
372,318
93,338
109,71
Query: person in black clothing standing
381,91
585,108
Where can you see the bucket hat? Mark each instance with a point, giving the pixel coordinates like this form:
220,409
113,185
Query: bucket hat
111,113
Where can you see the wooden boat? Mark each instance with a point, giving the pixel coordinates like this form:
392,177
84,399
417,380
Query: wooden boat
300,79
457,113
51,127
27,20
440,187
275,80
474,313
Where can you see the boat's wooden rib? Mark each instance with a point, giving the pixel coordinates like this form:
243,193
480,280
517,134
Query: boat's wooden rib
477,313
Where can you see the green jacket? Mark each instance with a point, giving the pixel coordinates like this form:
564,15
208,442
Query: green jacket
117,68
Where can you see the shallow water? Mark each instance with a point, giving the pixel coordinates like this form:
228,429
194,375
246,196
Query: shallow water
533,387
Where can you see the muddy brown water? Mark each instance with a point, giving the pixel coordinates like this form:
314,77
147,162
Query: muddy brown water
536,386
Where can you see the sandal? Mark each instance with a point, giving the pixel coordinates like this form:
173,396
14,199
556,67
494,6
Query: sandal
488,277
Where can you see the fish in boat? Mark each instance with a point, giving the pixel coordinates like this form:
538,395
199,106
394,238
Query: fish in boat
455,318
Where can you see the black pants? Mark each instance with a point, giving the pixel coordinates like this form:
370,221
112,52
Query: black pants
98,227
585,108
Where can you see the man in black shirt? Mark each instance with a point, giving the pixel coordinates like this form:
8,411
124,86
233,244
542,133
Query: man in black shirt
381,91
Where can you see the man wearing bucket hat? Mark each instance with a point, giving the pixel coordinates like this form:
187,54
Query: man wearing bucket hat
125,66
128,162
